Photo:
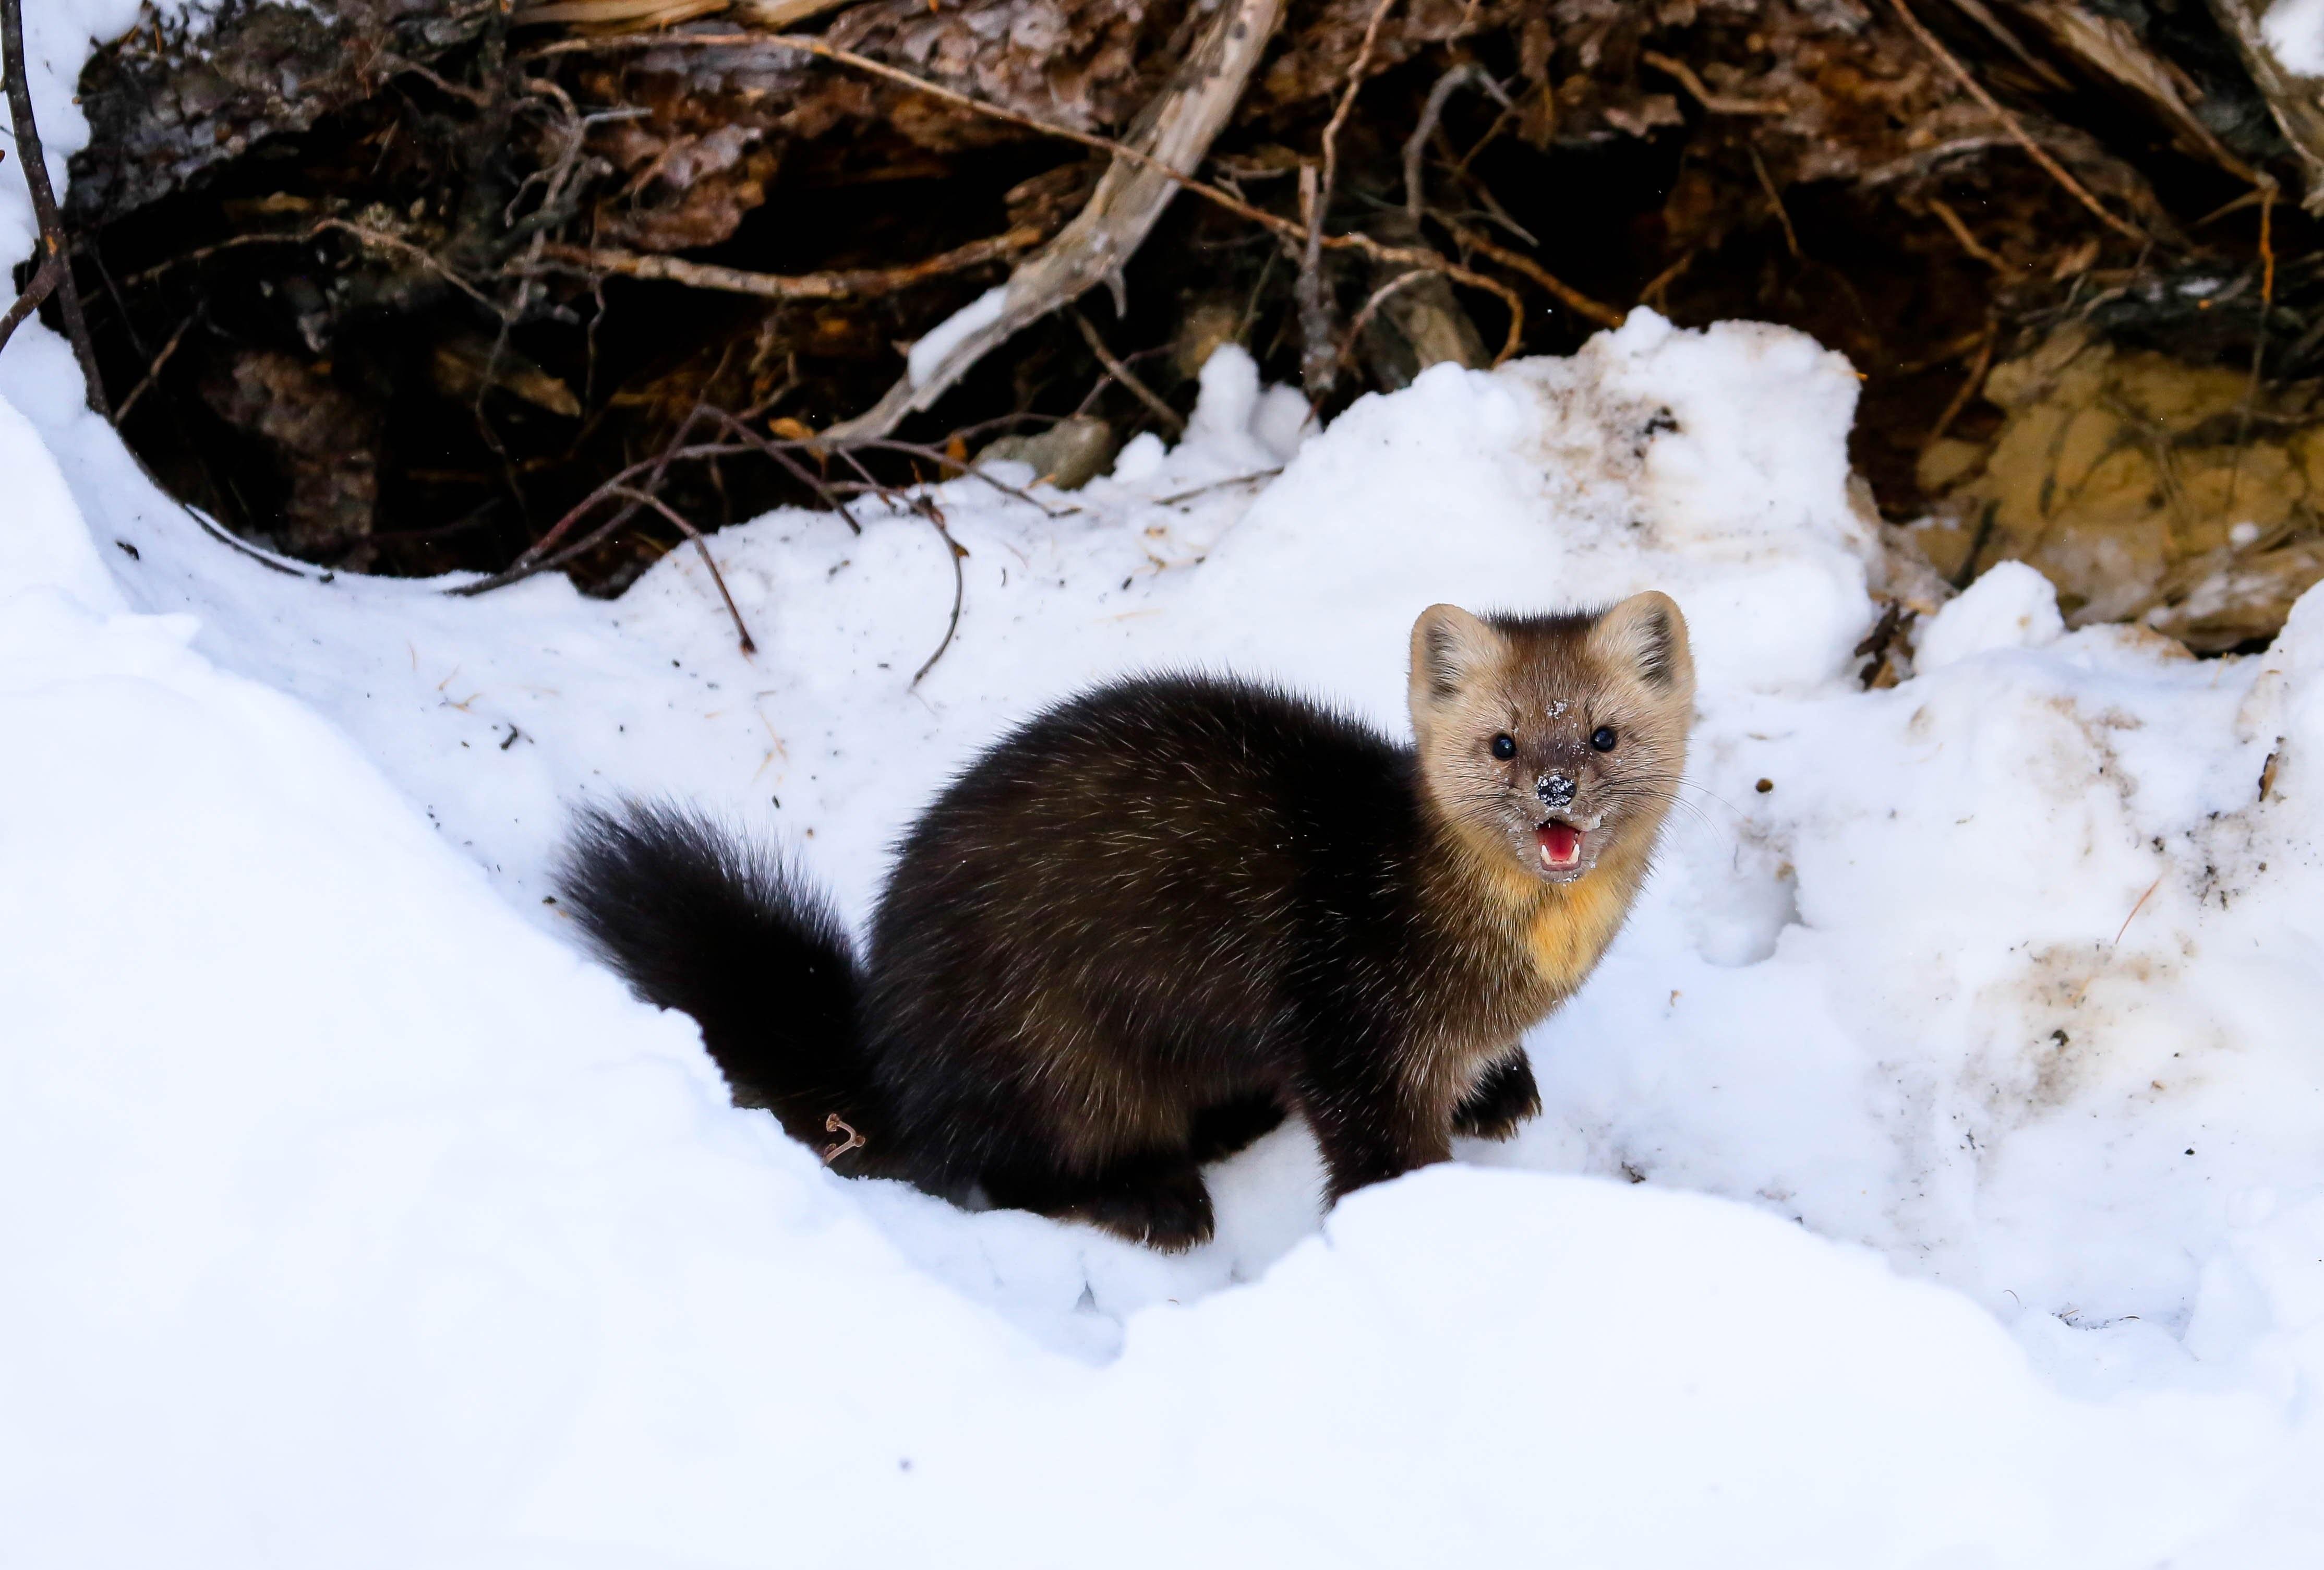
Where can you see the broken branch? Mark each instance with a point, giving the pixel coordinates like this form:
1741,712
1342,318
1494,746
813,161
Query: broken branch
1128,199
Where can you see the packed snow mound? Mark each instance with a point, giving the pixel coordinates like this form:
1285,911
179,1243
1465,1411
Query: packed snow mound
1931,1176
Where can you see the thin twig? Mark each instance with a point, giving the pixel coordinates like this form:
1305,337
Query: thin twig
857,283
1172,420
703,546
1968,242
44,281
2135,910
537,557
1975,89
1371,307
1659,285
781,453
2259,337
1430,113
835,1124
54,242
934,514
1318,361
228,538
967,471
1968,389
1575,300
1173,500
153,371
360,235
1776,200
1717,102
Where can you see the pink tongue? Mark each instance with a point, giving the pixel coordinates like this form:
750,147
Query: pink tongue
1562,844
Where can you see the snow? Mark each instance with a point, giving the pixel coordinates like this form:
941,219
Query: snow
2010,607
2294,31
1931,1176
930,354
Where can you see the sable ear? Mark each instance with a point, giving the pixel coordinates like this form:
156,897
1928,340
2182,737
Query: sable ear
1450,650
1646,633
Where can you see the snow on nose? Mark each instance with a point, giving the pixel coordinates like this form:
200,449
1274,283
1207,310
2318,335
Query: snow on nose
1555,790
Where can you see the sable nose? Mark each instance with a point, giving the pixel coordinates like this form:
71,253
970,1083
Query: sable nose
1555,790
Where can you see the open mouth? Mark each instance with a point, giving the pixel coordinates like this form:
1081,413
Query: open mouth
1560,846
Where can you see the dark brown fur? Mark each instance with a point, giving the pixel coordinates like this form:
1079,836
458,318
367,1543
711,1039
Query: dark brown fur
1149,922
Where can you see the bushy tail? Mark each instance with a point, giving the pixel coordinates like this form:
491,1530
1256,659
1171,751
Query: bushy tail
698,920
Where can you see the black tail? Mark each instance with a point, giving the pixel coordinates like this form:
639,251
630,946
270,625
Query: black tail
698,920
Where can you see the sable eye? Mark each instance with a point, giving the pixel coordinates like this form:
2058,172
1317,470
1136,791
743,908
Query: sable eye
1602,738
1504,746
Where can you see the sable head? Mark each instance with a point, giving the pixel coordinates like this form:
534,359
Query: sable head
1553,739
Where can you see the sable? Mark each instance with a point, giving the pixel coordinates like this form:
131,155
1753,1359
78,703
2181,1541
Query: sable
1151,922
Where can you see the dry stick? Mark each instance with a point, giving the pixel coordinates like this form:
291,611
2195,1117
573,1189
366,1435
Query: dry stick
1717,102
1968,389
1968,242
53,240
967,471
1172,420
153,371
1318,364
1776,200
1431,113
1660,283
934,514
1579,302
781,453
535,557
1172,501
2019,133
2135,910
2259,338
844,284
703,546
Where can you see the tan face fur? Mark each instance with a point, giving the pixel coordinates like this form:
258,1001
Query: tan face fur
1544,690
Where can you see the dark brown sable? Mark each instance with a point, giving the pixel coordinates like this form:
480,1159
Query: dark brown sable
1145,926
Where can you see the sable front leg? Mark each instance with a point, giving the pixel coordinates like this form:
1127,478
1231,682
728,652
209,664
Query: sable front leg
1504,1097
1370,1127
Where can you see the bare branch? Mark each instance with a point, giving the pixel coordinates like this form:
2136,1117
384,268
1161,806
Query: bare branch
1172,420
700,544
54,239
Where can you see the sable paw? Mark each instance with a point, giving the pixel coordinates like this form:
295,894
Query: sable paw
1505,1098
1170,1212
